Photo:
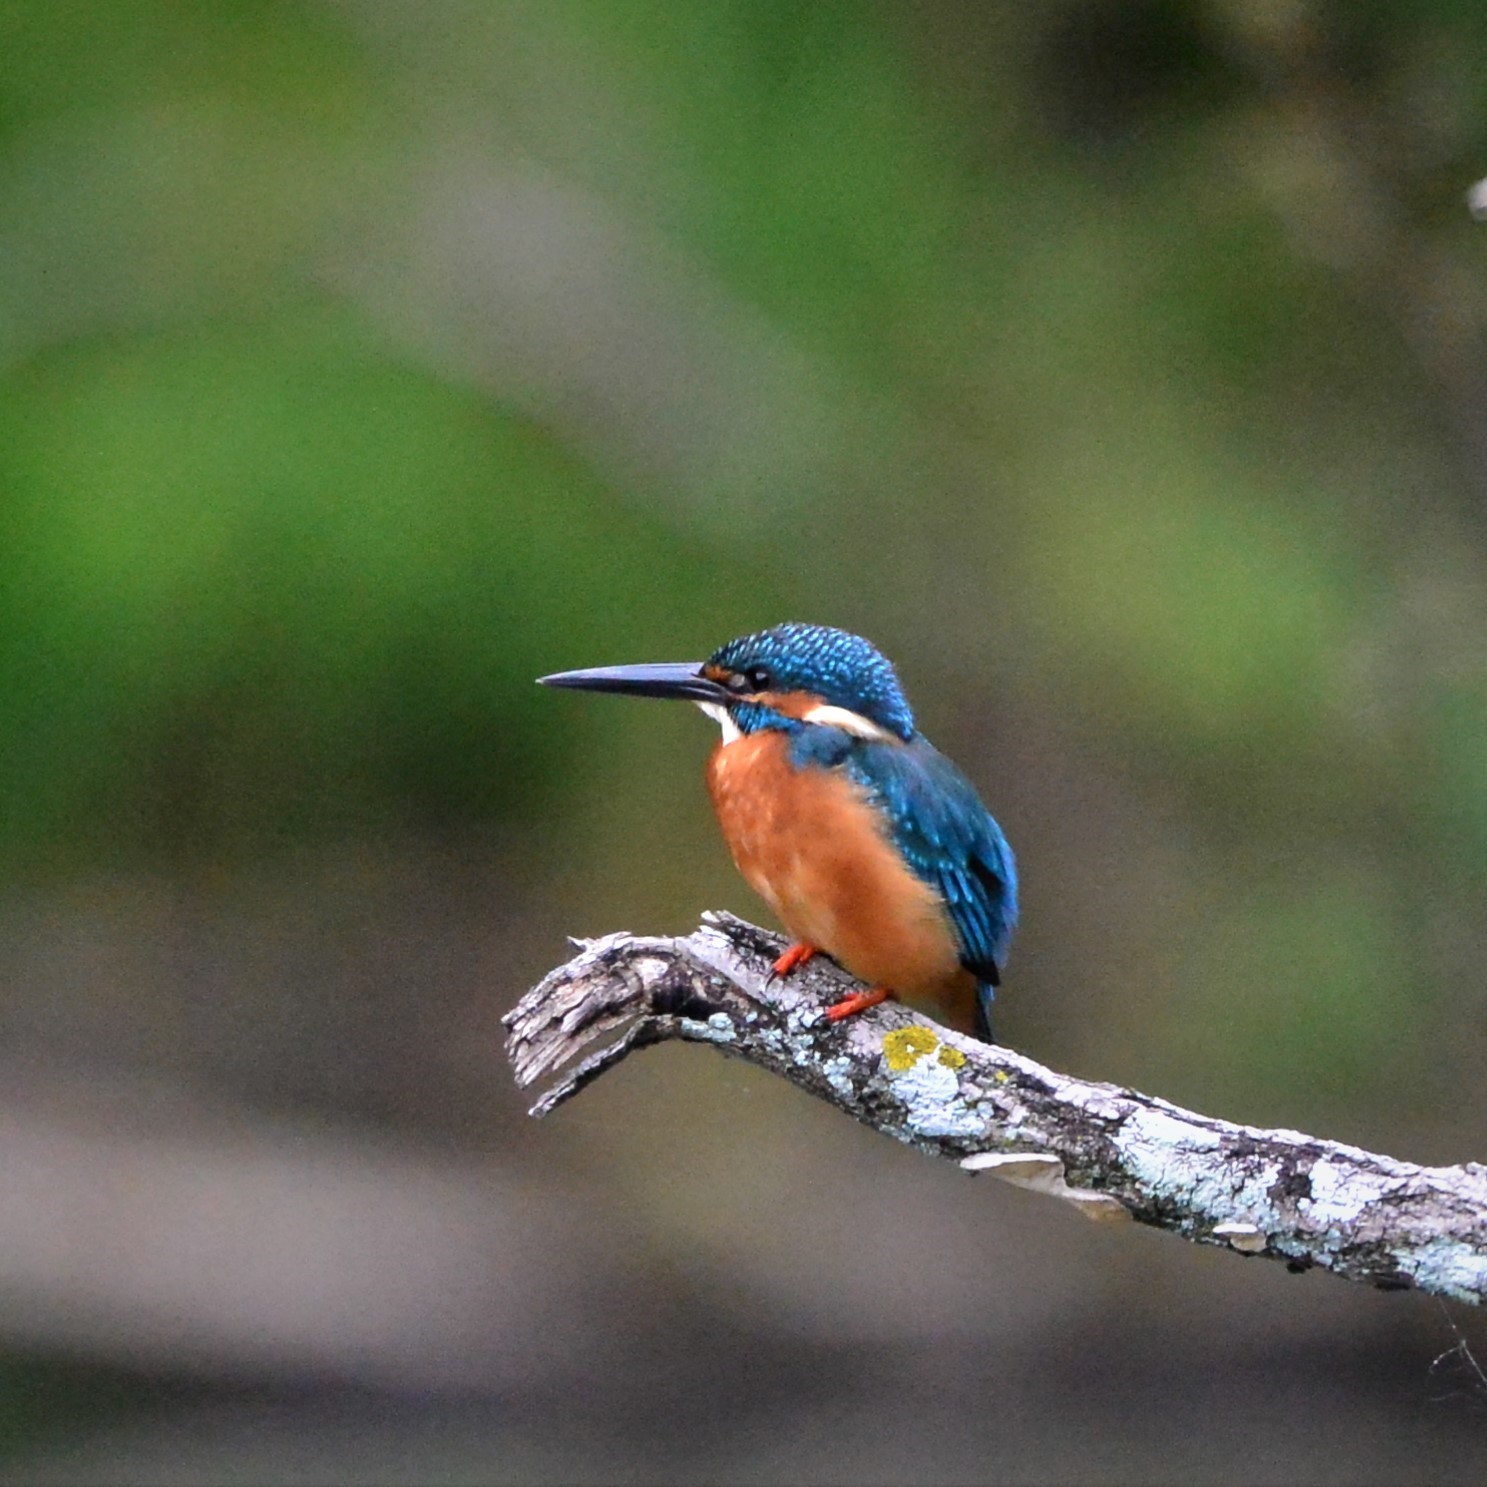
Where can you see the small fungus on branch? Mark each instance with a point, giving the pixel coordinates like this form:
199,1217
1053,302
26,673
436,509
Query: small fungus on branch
1114,1153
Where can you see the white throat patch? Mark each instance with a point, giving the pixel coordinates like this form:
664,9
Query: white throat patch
723,718
823,714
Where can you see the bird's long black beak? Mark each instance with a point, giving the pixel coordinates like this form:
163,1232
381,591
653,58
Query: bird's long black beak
682,680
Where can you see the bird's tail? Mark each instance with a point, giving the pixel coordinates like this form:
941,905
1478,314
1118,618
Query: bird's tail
985,996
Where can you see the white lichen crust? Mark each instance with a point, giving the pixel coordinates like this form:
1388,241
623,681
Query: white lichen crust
1111,1151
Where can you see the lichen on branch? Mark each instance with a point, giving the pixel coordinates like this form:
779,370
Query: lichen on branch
1113,1152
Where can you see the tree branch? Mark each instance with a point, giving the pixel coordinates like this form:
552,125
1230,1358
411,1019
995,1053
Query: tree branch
1114,1152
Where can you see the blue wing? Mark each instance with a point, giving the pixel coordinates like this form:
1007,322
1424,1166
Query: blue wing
951,841
947,837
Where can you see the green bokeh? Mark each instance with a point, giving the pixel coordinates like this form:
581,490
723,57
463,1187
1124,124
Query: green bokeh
266,581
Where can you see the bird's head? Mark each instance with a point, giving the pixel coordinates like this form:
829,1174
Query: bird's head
790,674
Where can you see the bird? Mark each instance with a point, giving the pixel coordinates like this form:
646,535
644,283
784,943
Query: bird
868,844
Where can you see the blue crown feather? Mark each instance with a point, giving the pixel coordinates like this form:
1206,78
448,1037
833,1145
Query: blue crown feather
844,670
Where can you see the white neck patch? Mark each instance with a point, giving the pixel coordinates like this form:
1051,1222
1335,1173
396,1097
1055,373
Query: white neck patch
823,714
723,718
848,721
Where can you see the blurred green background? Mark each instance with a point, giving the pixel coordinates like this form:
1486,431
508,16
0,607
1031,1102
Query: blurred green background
1119,368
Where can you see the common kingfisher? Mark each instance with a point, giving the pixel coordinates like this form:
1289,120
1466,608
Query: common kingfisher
868,843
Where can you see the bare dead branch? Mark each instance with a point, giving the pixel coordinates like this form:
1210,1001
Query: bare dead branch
1114,1152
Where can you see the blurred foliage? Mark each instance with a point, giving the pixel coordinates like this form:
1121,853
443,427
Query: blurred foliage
266,580
1118,368
1101,390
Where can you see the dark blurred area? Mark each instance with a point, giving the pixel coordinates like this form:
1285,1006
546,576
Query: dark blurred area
1118,368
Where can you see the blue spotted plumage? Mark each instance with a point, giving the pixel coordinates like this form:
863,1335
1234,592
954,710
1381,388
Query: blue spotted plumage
843,815
950,840
842,669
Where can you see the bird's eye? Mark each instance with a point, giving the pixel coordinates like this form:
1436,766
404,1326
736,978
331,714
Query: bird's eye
753,679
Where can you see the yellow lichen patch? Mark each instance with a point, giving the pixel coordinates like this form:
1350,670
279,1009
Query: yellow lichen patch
952,1058
905,1046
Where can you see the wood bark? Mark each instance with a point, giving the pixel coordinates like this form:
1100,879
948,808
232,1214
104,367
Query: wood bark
1115,1153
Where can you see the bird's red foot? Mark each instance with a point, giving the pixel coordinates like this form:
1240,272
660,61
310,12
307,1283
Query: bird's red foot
796,955
859,1001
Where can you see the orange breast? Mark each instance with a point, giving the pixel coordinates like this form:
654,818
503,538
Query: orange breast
811,846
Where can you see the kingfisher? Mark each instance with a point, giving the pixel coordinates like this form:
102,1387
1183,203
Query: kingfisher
865,840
